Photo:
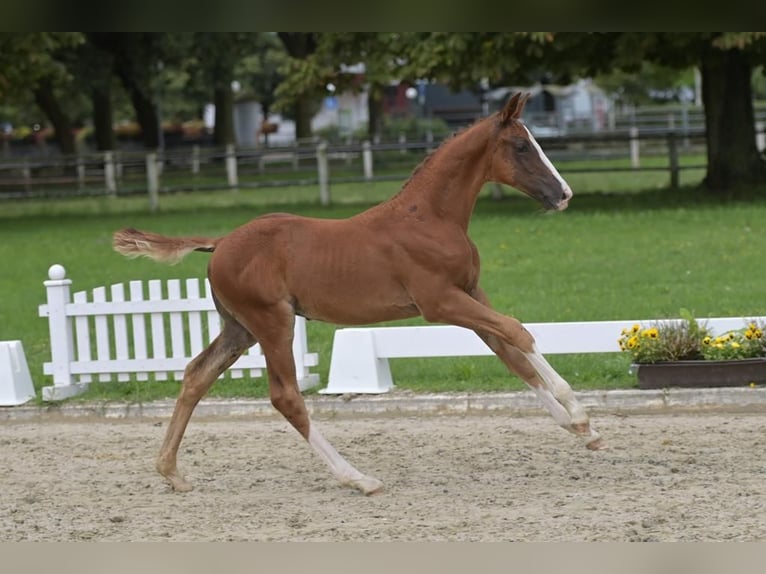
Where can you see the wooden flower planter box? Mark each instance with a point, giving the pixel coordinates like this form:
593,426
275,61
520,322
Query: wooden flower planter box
690,374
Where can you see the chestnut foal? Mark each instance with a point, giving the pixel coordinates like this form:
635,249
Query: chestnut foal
408,256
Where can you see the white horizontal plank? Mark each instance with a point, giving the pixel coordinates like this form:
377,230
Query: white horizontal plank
552,338
157,365
130,307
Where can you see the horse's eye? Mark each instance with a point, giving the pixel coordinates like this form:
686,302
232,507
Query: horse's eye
522,146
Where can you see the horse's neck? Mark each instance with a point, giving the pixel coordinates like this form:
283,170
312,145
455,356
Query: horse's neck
448,182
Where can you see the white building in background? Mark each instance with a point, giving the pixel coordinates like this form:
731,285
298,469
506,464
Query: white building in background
347,111
248,118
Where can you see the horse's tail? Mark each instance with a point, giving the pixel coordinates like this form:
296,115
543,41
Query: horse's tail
134,243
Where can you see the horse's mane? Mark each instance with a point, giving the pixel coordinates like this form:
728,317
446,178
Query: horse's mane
444,143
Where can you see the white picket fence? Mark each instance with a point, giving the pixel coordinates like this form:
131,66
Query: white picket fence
360,355
105,335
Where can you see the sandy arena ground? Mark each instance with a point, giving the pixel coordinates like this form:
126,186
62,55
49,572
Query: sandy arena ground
451,477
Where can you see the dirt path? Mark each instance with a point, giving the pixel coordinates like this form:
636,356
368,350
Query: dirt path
491,477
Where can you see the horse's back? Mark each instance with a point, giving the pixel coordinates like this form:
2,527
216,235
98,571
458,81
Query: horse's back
319,265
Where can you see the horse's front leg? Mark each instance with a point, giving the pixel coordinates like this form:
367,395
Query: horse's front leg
275,327
516,347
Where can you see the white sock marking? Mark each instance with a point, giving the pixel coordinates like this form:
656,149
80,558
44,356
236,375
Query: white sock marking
340,468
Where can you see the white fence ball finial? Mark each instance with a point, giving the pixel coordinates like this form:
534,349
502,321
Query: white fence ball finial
56,272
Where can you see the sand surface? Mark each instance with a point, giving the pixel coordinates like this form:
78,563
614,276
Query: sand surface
450,477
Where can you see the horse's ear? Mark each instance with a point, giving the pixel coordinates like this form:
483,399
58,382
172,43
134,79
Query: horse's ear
514,107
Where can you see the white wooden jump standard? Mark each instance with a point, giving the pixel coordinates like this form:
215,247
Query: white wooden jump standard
360,356
125,347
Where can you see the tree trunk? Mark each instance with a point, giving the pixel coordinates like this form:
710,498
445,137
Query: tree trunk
375,112
300,45
732,156
146,112
147,118
49,104
103,119
304,110
224,116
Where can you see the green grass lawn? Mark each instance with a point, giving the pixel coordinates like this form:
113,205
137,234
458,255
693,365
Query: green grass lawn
610,256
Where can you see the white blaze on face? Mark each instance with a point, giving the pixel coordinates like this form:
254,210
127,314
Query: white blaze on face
567,191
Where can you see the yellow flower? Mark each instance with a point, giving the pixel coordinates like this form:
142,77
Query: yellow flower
749,334
758,333
706,340
633,342
636,328
735,345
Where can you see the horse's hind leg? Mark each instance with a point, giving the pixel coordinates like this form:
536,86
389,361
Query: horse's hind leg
552,390
199,376
274,329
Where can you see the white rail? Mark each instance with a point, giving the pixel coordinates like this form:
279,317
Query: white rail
360,355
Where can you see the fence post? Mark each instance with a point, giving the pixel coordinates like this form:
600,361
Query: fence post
323,173
60,329
109,180
760,136
635,160
306,379
195,159
80,167
367,159
231,166
26,173
673,159
152,181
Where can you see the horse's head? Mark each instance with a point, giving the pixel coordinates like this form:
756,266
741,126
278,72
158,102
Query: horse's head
519,161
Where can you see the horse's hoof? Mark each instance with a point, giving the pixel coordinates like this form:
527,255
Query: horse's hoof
179,484
368,485
597,444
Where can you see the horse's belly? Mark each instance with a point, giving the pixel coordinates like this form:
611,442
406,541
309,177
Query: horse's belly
357,305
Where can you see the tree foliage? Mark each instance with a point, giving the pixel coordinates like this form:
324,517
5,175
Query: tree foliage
291,70
26,58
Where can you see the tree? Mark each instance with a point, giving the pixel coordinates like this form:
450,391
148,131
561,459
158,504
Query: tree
300,45
732,156
139,61
32,62
725,61
458,59
336,50
92,70
261,72
215,57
